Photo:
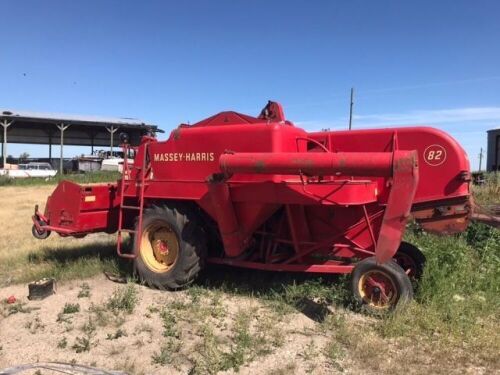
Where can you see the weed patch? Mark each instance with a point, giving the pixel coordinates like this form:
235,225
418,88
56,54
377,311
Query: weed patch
63,343
167,352
34,325
169,324
18,307
210,358
100,314
85,342
71,308
84,291
119,333
456,305
123,299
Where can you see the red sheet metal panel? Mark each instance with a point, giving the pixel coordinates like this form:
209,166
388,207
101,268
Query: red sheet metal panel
73,208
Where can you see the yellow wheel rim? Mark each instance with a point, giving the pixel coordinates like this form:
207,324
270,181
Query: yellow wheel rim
159,246
378,290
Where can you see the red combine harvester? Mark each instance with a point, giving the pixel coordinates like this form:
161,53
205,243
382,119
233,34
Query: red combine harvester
258,192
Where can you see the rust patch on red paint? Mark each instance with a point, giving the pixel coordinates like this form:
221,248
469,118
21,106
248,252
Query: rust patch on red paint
260,166
177,134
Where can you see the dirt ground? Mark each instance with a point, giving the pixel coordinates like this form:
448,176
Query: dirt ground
37,334
198,331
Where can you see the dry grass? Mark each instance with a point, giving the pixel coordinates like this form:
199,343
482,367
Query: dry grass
23,258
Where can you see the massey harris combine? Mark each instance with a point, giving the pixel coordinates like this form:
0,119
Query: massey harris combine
258,192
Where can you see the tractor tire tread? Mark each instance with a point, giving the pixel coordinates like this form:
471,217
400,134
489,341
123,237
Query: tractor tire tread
192,248
416,254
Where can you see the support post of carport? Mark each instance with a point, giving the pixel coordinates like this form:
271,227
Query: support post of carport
112,130
5,125
61,128
92,136
50,147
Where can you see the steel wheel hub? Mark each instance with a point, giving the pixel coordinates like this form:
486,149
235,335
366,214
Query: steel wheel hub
159,246
377,289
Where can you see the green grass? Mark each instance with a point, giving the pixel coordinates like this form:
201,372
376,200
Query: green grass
86,342
458,300
71,308
123,299
489,192
81,178
84,291
15,308
63,343
250,335
169,322
168,352
69,263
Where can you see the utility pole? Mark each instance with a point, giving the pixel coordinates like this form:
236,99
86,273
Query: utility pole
350,108
480,159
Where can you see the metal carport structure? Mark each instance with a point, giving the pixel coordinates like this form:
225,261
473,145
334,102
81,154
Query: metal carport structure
69,130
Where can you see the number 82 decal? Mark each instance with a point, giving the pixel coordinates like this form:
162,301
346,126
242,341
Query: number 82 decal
435,155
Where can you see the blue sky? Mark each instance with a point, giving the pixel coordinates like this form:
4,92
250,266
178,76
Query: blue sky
411,62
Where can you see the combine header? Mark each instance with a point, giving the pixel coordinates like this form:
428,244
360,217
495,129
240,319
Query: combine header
258,192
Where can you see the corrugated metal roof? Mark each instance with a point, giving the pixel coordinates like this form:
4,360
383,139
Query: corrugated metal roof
60,117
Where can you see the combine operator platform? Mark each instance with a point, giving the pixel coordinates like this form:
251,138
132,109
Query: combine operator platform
258,192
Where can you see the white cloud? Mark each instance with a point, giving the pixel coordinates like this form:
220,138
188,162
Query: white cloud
468,125
488,116
439,116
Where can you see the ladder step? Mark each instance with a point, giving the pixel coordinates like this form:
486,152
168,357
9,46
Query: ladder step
136,183
131,207
127,230
127,256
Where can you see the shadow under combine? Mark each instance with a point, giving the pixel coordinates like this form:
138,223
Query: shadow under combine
77,252
310,294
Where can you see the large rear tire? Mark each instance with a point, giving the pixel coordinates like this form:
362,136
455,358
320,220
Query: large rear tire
171,249
379,288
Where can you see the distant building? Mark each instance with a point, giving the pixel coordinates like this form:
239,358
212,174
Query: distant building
493,152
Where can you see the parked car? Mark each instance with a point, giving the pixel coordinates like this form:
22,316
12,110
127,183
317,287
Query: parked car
30,170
